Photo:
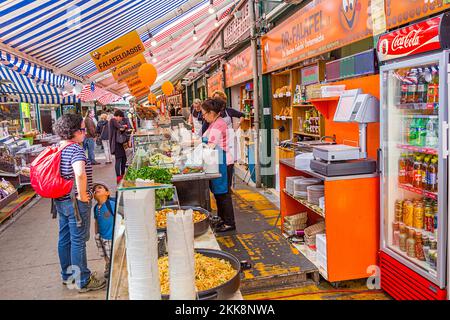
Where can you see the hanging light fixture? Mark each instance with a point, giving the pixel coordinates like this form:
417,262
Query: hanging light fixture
211,9
216,24
154,43
194,37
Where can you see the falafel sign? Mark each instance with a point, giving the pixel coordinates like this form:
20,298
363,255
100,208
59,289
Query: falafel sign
128,68
319,27
116,52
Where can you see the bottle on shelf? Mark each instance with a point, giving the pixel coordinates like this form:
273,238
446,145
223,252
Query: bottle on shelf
425,165
404,91
433,87
402,169
410,172
431,137
419,246
421,132
408,213
413,138
403,237
418,215
417,182
412,87
396,234
432,175
429,218
422,88
411,244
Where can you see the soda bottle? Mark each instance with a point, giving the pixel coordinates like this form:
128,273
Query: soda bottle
410,175
402,169
431,138
425,173
412,87
422,88
404,91
413,131
417,182
433,87
421,132
432,175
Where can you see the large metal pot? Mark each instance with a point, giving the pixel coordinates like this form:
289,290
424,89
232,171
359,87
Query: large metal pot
230,287
200,227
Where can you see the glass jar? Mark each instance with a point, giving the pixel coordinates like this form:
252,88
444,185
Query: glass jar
396,234
403,237
408,213
418,215
411,244
419,247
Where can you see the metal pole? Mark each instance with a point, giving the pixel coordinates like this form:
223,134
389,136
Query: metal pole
254,47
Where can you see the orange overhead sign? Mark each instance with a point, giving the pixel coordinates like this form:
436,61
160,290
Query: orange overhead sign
128,68
139,91
134,81
215,82
116,52
319,27
239,68
399,12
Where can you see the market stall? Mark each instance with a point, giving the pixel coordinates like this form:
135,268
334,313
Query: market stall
160,183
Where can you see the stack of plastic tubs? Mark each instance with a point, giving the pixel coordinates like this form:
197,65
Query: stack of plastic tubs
301,187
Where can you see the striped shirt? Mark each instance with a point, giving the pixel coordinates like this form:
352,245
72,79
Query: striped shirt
69,156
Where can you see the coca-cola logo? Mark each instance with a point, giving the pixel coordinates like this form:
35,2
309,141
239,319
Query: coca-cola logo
412,39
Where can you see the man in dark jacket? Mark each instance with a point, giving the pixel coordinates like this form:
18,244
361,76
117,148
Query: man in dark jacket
103,132
91,134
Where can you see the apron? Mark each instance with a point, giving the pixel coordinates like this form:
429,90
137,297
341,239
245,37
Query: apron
220,185
231,136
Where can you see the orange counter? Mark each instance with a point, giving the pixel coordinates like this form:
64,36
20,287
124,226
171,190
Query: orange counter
352,221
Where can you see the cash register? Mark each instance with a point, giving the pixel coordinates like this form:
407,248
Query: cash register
340,159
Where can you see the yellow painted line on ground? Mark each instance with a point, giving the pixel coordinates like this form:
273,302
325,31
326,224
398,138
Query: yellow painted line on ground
226,241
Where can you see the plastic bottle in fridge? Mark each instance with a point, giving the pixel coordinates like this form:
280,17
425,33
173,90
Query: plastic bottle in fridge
422,88
431,139
421,132
402,169
413,132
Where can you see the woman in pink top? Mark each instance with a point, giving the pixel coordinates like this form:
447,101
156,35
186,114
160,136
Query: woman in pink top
216,137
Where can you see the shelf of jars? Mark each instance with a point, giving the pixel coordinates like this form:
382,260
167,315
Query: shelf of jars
307,134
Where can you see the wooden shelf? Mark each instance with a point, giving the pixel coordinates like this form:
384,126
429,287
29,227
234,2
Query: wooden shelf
303,105
310,206
307,134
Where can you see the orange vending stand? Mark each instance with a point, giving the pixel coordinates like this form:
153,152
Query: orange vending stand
352,203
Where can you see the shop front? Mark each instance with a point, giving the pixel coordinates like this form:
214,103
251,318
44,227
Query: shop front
239,85
316,55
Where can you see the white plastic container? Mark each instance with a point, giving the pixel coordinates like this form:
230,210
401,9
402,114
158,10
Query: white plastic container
315,192
301,186
321,243
303,160
290,184
322,261
332,91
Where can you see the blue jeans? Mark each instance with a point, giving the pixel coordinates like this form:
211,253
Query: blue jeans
89,145
72,241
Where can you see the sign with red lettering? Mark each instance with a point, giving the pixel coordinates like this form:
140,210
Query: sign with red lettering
418,38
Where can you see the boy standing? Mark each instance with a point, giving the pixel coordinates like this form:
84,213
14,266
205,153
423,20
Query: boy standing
104,222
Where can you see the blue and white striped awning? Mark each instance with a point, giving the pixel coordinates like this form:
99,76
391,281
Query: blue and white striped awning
59,32
31,70
23,89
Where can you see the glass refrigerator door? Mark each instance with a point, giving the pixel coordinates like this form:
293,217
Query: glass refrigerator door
414,165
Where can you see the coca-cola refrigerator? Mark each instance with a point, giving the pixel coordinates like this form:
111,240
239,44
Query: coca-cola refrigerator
414,77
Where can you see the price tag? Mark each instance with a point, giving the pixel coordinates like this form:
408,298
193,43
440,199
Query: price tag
277,117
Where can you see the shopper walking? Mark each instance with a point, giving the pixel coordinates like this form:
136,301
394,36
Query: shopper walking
74,208
117,138
103,134
89,142
217,137
196,117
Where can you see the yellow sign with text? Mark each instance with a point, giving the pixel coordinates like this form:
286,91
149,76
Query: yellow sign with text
133,81
139,91
128,68
118,51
